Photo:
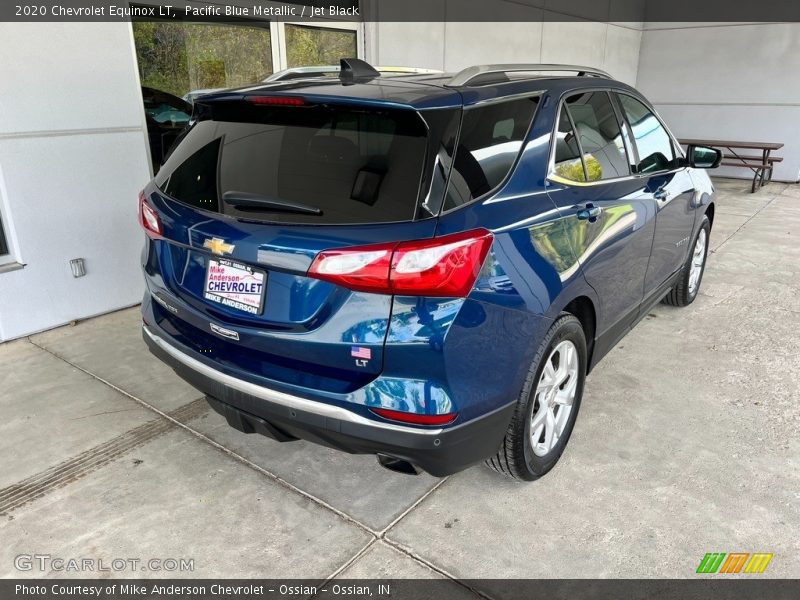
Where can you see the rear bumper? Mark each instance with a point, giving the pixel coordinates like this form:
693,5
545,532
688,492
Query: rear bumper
253,408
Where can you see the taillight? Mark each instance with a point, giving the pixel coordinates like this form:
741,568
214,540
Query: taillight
276,100
413,418
362,268
446,266
148,218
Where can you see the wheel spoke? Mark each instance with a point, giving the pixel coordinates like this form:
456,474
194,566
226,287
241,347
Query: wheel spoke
539,418
550,430
567,395
548,374
566,356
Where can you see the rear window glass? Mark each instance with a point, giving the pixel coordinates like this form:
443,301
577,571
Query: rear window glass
310,164
490,140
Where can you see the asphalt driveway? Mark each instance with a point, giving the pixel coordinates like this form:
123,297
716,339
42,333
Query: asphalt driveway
687,443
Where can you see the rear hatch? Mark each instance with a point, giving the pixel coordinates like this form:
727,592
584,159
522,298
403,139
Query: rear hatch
256,188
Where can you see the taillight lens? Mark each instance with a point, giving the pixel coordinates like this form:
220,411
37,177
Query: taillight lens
148,218
413,418
362,268
446,266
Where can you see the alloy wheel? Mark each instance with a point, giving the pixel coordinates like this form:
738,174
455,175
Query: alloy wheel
698,259
554,397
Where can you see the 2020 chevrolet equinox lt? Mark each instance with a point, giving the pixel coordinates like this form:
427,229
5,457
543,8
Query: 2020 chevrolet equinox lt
421,266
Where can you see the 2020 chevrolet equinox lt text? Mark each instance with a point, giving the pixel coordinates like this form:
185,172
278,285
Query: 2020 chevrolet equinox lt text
419,266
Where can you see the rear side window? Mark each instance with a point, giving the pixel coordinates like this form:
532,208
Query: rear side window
490,140
310,164
568,162
599,136
652,140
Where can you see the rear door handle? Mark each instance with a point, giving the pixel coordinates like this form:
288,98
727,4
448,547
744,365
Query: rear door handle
590,212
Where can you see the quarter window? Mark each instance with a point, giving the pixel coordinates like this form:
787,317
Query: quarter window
599,136
652,140
491,138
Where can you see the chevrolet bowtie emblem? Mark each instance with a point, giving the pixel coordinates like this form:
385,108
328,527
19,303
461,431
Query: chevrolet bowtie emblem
218,246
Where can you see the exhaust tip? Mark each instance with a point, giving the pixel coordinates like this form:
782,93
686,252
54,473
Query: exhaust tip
398,465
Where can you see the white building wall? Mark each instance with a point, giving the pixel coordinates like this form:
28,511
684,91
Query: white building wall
73,157
536,37
727,81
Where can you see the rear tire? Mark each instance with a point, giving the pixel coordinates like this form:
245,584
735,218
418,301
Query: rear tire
547,406
685,291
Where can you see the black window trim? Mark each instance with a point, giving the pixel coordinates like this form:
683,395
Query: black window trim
612,91
481,104
627,132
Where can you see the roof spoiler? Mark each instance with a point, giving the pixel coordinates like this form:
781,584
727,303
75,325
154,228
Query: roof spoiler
355,68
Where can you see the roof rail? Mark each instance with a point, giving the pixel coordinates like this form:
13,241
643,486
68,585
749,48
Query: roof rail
297,72
464,76
300,72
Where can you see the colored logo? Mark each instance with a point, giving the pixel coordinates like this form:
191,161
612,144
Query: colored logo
218,246
359,352
734,562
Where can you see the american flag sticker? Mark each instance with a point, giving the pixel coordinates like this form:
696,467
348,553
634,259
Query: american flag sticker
359,352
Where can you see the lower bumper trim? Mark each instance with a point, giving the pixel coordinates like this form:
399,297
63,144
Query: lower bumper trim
254,409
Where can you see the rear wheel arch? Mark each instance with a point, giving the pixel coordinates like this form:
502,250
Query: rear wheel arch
583,309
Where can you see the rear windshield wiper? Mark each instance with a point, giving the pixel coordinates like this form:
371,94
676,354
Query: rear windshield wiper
248,201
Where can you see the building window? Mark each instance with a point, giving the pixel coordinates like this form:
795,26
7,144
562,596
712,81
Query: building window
185,58
312,46
180,61
3,243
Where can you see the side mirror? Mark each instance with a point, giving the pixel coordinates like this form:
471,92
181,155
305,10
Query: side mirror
703,157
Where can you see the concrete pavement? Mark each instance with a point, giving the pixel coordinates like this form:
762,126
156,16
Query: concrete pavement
687,443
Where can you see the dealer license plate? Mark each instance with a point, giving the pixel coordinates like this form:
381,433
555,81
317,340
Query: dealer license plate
235,285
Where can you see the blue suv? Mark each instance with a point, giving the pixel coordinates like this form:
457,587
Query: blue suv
424,267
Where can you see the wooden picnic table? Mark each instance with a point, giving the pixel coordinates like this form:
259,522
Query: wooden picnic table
758,165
